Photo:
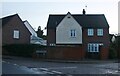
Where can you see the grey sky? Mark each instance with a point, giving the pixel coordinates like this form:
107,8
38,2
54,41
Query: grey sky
37,12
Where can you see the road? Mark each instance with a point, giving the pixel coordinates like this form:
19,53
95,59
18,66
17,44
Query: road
9,68
43,67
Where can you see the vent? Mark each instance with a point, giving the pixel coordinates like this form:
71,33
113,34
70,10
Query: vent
68,16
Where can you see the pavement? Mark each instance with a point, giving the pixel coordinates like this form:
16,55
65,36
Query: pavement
65,61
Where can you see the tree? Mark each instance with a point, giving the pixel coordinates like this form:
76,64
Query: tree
39,32
113,47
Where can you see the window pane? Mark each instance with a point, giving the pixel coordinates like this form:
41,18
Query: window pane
93,47
73,33
100,32
90,32
16,34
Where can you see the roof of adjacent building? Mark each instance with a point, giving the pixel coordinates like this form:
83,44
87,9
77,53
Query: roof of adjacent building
86,21
30,28
7,19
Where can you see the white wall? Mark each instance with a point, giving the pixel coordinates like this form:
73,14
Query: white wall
63,31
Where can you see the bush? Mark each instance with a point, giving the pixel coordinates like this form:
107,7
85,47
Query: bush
25,50
112,53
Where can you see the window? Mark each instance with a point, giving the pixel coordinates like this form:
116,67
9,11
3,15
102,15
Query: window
16,34
99,32
90,32
93,47
52,44
73,33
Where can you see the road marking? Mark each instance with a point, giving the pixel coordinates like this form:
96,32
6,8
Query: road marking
46,72
15,64
57,72
43,69
34,68
62,68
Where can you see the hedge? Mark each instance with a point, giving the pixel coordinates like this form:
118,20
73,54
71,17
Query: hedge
25,50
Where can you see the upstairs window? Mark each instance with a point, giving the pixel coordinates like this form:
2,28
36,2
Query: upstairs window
90,32
16,34
99,32
73,33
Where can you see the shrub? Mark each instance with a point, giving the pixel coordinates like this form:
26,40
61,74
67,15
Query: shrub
25,50
112,53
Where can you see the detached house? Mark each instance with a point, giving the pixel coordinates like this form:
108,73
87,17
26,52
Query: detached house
77,36
14,31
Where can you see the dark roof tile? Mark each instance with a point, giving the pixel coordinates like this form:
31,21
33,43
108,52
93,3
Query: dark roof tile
6,19
86,21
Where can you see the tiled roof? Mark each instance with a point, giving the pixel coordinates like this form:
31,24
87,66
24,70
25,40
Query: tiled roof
6,19
86,21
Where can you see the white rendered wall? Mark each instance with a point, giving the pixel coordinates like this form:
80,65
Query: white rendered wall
63,31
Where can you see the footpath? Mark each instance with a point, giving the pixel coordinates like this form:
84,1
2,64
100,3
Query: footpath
89,61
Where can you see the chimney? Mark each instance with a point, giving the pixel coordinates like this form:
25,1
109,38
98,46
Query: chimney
84,11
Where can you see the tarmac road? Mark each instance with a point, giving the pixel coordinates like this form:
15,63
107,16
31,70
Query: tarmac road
44,67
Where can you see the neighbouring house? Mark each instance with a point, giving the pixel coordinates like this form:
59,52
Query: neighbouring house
34,38
77,36
0,38
14,31
118,44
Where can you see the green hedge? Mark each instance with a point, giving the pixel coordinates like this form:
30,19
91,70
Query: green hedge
25,50
112,53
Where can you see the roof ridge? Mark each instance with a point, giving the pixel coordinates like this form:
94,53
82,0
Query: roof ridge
76,14
10,16
87,20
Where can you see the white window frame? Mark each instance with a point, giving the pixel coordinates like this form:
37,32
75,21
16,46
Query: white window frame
93,47
90,32
73,33
52,44
16,34
99,32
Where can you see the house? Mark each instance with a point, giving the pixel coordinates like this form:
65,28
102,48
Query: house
14,31
34,39
77,36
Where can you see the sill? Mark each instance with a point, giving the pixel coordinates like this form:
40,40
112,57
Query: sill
72,37
16,38
90,36
100,35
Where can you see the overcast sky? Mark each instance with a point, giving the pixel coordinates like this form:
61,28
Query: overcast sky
37,12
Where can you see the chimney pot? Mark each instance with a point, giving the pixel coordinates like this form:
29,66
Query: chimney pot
84,11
